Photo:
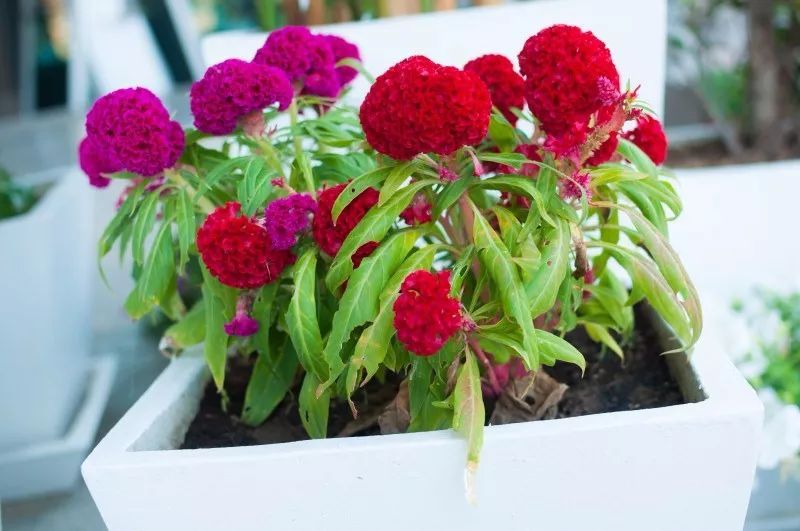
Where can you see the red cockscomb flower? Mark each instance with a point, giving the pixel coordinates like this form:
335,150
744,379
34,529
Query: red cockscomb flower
330,236
237,249
505,85
569,75
418,212
605,151
425,315
649,136
131,127
418,106
577,186
232,89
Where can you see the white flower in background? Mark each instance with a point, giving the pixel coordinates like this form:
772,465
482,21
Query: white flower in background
738,337
780,439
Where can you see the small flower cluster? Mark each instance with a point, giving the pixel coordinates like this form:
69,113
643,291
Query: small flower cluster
129,129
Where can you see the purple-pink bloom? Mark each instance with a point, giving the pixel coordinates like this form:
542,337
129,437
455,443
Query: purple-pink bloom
233,89
95,163
241,325
132,127
343,49
286,217
576,186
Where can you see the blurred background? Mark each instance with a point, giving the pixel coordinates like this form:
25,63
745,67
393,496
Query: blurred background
732,97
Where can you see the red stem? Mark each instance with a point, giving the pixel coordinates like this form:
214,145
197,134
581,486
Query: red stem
497,389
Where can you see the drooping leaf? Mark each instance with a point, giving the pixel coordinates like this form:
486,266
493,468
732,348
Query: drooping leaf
637,157
313,407
301,316
469,415
158,272
600,334
142,225
218,300
186,226
556,348
272,377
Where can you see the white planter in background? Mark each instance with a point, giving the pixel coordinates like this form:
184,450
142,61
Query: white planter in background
45,324
686,467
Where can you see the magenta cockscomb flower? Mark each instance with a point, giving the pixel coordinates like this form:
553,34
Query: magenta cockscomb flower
242,324
132,128
233,90
576,186
96,163
343,49
288,216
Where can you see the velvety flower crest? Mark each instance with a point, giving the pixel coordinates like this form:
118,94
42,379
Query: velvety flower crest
329,235
288,216
505,85
650,137
95,163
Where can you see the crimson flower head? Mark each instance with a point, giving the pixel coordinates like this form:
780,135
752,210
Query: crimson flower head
238,251
418,106
329,235
96,163
577,185
605,151
232,89
649,136
131,130
505,85
418,212
569,75
425,315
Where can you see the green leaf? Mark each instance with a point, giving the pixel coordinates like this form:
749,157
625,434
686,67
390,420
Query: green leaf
450,193
218,301
359,304
515,160
542,289
190,330
423,391
600,334
221,170
397,177
142,225
496,259
156,275
637,157
272,377
613,172
313,408
120,222
301,316
370,179
502,133
372,227
469,415
520,185
186,226
554,347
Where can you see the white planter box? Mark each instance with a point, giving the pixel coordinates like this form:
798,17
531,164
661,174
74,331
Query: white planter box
45,330
685,467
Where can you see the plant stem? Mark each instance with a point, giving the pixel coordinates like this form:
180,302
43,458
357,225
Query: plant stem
305,169
205,204
494,383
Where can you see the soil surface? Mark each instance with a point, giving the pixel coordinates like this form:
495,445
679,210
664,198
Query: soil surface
642,381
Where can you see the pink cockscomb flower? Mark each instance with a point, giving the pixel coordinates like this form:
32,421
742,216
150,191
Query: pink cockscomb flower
503,82
233,89
288,216
577,185
569,75
343,49
132,127
96,163
649,136
242,324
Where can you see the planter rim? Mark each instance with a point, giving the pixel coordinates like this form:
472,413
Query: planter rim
59,179
127,444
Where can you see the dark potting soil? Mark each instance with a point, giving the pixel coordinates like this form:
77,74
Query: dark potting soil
641,381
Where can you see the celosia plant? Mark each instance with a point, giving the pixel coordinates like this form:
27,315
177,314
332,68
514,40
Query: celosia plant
424,234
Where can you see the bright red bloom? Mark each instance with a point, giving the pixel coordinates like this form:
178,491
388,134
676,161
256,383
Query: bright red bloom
418,212
504,84
330,236
605,151
569,75
233,89
237,249
363,252
425,315
577,185
649,136
418,106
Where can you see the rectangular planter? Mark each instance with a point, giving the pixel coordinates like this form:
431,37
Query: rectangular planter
681,467
45,266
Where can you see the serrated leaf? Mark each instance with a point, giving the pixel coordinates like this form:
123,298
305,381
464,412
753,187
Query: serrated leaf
190,330
372,227
314,407
469,415
542,289
496,259
301,316
272,377
359,304
396,178
156,274
370,179
186,226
